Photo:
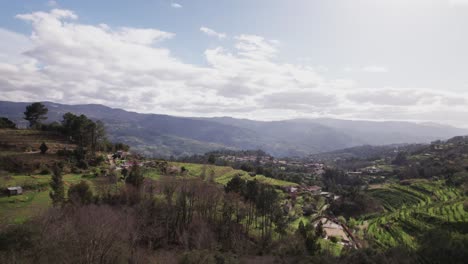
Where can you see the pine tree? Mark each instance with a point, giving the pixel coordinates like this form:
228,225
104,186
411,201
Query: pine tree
302,230
58,190
43,148
35,113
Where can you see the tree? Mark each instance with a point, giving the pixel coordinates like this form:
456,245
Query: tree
84,131
58,190
80,194
211,159
301,230
312,245
43,148
319,232
135,177
400,159
6,123
236,184
35,114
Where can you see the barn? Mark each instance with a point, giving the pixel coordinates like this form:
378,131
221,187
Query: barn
17,190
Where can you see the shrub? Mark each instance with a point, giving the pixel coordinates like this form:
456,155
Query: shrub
80,193
43,148
44,171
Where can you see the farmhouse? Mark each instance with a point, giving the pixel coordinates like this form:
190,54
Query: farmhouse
17,190
291,189
335,229
315,190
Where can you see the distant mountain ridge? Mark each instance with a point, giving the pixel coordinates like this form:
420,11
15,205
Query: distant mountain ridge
163,135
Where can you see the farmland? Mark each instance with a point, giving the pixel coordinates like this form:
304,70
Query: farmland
17,209
413,209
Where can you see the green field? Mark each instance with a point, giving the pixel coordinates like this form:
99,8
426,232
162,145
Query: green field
17,209
223,175
412,209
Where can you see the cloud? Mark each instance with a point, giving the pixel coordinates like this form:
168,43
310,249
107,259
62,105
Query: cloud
176,5
256,47
406,97
299,100
64,60
11,51
375,69
211,32
458,2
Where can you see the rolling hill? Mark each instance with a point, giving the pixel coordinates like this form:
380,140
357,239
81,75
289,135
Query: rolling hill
163,135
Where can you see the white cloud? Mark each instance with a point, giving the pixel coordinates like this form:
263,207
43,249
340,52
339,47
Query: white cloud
211,32
176,5
66,61
256,47
458,2
368,69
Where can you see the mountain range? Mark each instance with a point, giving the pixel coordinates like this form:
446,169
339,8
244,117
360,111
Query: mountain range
163,136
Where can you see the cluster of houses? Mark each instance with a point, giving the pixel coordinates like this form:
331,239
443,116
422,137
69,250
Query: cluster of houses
312,167
248,158
124,163
313,190
365,171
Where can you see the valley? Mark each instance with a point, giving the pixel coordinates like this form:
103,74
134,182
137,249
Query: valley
329,206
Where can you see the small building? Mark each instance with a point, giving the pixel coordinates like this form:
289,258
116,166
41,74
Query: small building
17,190
354,173
292,189
314,190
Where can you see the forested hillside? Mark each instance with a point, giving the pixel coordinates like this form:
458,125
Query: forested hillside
165,136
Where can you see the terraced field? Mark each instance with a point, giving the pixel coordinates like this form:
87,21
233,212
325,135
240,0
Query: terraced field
30,140
413,209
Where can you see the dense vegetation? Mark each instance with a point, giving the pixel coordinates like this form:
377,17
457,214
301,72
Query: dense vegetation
83,202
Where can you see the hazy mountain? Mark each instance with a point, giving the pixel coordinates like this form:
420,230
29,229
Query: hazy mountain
162,135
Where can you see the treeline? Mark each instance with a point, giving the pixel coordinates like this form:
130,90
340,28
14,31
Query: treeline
88,135
79,129
353,201
7,123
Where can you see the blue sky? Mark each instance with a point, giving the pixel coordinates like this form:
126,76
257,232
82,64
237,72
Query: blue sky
262,59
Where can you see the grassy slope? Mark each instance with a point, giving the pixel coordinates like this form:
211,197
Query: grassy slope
223,175
17,209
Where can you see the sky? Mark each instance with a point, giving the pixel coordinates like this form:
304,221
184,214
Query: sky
259,59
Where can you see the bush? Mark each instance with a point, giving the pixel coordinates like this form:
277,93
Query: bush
44,171
43,148
6,123
80,193
83,165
